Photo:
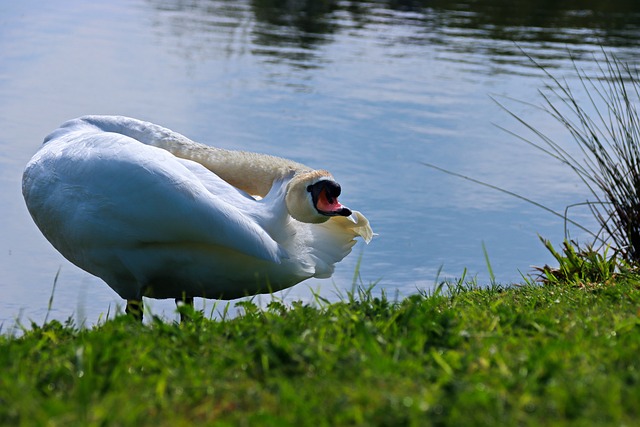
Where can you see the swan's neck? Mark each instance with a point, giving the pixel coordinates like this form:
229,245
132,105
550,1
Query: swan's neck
251,172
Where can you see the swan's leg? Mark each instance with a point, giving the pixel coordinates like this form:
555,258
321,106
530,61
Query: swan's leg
184,301
134,309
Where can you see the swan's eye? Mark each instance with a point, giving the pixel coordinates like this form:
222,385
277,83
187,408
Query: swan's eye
309,188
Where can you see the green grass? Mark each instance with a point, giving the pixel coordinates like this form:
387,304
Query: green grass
560,354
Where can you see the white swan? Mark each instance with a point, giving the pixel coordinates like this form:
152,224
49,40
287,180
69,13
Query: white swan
155,214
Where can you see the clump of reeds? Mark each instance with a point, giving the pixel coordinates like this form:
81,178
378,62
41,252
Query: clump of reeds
606,128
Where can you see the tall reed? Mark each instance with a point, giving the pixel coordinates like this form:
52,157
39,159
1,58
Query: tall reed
606,128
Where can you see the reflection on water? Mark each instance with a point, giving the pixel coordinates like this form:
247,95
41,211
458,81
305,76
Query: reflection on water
365,89
493,31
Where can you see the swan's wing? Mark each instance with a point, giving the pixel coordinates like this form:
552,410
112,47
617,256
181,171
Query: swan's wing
107,189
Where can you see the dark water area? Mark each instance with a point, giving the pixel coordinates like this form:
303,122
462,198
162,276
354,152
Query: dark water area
368,90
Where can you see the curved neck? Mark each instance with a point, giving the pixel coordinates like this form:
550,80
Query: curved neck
251,172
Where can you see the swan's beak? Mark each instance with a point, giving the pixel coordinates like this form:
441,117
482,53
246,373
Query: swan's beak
325,198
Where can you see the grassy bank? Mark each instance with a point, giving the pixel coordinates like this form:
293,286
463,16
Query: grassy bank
530,355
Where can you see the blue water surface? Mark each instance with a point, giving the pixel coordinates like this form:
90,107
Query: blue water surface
367,90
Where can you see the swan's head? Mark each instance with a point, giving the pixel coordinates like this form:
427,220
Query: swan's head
312,197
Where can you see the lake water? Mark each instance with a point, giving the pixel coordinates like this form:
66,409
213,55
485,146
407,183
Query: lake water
368,90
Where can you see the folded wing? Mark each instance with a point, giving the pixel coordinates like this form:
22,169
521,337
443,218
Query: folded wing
107,189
